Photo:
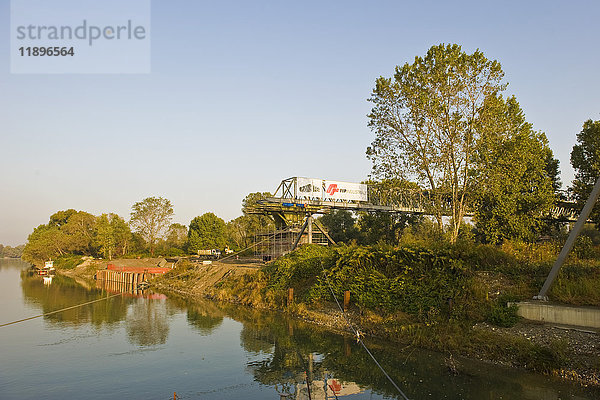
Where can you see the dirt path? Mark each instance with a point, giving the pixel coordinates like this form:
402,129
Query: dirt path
195,282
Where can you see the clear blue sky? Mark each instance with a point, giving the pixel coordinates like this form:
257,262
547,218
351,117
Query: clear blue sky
244,94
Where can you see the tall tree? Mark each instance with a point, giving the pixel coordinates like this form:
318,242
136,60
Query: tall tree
151,218
206,232
44,243
425,120
585,159
516,174
113,235
242,230
67,231
121,233
79,229
384,227
104,238
177,236
340,225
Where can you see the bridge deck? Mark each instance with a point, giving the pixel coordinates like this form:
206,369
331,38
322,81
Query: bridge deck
562,210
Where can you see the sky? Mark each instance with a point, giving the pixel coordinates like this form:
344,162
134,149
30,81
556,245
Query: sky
244,94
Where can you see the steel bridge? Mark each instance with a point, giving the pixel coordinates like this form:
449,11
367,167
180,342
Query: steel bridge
292,209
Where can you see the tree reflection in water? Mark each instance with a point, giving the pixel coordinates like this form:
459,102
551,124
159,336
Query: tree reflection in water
65,292
285,350
204,317
147,321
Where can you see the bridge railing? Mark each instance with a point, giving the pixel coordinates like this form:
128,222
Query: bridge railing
410,199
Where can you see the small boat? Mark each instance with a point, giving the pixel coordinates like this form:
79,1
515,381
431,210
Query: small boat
47,270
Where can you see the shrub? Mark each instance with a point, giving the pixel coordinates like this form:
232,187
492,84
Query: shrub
68,261
503,314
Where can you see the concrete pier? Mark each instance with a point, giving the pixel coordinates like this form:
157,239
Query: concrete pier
588,317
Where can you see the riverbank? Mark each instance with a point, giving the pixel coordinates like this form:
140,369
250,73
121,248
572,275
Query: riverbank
563,352
458,328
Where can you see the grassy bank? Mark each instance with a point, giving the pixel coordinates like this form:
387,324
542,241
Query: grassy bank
435,297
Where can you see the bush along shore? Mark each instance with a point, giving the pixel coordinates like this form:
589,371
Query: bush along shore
449,298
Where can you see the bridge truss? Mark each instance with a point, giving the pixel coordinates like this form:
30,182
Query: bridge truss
292,212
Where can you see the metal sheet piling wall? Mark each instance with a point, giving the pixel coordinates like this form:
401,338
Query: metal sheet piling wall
122,280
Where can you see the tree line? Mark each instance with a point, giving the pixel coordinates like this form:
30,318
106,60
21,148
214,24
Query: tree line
11,252
149,231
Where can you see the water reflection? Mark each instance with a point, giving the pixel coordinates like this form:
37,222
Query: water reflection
288,350
13,263
146,316
65,292
128,289
204,318
284,354
147,322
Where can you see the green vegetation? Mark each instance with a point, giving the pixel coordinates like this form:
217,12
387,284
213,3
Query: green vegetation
112,235
151,218
585,159
464,281
514,187
241,231
429,294
11,252
70,235
442,122
341,226
68,261
206,232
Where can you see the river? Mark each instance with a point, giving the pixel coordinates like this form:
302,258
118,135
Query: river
151,346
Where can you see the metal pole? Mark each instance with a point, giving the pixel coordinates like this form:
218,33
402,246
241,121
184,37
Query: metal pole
300,235
318,225
585,213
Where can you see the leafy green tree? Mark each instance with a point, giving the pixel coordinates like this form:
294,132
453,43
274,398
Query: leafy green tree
426,124
138,244
151,218
238,232
340,225
104,236
384,227
11,252
79,229
516,175
256,223
67,232
60,218
113,235
177,236
241,231
76,228
206,232
44,243
121,233
585,159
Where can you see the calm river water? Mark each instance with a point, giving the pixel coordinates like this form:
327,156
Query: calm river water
150,347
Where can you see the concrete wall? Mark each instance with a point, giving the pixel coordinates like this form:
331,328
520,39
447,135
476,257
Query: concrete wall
566,315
